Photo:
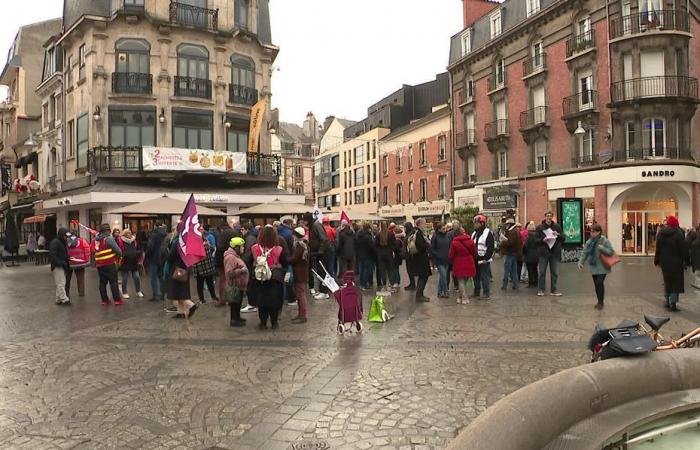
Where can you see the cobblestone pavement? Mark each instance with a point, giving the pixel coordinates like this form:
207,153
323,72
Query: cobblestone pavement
89,377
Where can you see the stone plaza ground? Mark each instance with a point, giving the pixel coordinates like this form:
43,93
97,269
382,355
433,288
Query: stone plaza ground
92,377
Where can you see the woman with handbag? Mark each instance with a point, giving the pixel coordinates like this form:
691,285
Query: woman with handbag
179,282
204,272
600,255
131,255
236,280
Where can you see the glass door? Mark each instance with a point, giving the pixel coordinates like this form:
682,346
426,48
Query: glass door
632,236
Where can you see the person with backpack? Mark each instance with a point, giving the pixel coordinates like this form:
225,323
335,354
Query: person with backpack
268,261
107,253
300,263
131,258
485,245
223,239
237,277
419,247
462,255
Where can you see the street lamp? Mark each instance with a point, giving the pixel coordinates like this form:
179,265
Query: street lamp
580,130
30,142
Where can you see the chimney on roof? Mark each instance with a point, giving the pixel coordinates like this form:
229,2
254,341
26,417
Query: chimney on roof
311,126
475,9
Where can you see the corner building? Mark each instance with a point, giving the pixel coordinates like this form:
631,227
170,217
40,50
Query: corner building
559,99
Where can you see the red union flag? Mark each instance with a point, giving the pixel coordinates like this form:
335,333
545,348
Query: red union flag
344,216
191,246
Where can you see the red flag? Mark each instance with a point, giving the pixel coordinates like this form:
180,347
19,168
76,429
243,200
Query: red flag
191,246
344,216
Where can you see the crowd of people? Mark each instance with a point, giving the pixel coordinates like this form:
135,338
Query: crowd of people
268,266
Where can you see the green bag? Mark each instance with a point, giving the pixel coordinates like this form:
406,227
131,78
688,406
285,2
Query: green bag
233,295
376,309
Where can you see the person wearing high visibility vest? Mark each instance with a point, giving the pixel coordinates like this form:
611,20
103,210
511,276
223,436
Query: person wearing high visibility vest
107,254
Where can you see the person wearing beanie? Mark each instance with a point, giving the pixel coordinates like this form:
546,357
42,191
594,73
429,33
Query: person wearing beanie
673,257
236,279
300,264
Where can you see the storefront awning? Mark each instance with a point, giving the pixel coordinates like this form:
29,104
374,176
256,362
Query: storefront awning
36,219
275,207
164,206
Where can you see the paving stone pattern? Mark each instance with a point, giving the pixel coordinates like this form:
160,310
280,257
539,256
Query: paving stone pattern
89,377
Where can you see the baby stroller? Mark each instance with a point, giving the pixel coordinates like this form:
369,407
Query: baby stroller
349,304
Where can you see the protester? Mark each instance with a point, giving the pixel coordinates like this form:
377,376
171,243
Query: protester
673,257
286,234
205,270
131,258
223,239
531,255
439,252
318,245
408,230
549,254
330,253
523,268
594,247
485,244
462,256
365,256
58,258
179,289
695,259
300,262
345,248
249,233
117,235
384,244
107,253
511,249
155,263
268,293
78,260
237,277
395,274
419,246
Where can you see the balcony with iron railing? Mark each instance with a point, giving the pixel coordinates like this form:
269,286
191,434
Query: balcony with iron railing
579,43
582,102
660,87
194,16
497,128
534,64
496,82
584,160
242,95
465,138
539,166
192,87
132,83
662,20
501,173
641,154
535,117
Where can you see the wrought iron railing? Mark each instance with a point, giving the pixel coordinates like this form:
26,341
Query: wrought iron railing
534,63
242,95
192,87
668,19
115,159
583,101
539,166
132,83
264,165
502,173
497,128
194,16
496,81
584,160
580,42
533,117
634,154
661,86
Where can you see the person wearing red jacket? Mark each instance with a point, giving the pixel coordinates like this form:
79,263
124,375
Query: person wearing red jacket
78,259
462,255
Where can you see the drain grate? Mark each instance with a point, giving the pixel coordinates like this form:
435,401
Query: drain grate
310,445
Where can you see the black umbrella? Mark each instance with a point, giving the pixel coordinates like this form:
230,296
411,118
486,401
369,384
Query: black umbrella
11,236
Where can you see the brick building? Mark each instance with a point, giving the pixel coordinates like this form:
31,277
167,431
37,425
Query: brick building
561,99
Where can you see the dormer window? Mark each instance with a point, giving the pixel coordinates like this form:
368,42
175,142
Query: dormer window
52,62
466,42
533,7
496,23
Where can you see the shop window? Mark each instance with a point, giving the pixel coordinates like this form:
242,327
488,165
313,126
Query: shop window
588,215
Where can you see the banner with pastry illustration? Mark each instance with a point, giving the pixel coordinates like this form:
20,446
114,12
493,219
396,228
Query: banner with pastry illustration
183,159
257,115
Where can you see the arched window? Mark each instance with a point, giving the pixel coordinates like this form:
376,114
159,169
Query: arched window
133,56
242,89
192,61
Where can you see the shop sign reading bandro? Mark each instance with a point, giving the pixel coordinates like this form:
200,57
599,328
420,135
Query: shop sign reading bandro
501,197
180,159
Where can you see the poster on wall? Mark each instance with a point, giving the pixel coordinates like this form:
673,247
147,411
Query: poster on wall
571,213
182,159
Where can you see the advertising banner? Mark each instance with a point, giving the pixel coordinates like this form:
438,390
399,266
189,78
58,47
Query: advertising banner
257,114
182,159
571,213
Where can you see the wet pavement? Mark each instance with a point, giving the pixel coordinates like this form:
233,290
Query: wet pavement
92,377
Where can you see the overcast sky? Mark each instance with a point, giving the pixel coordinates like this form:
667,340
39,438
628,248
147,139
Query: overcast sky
337,57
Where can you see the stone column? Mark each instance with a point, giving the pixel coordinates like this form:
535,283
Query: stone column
163,133
100,77
219,98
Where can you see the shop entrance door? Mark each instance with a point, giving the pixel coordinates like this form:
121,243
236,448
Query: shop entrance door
639,230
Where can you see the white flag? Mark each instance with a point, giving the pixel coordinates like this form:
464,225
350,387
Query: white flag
318,214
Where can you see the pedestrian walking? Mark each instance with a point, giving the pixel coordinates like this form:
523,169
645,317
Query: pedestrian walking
408,230
419,247
365,258
384,244
695,259
107,253
78,260
205,271
300,264
179,281
462,255
236,280
153,258
268,256
673,257
345,248
549,251
439,252
511,250
395,273
596,245
131,257
531,255
58,258
485,244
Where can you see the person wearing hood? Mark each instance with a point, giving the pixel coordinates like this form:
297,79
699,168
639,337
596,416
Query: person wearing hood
58,258
511,249
131,258
530,254
439,252
462,255
300,262
673,257
155,264
78,259
237,277
594,247
107,254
